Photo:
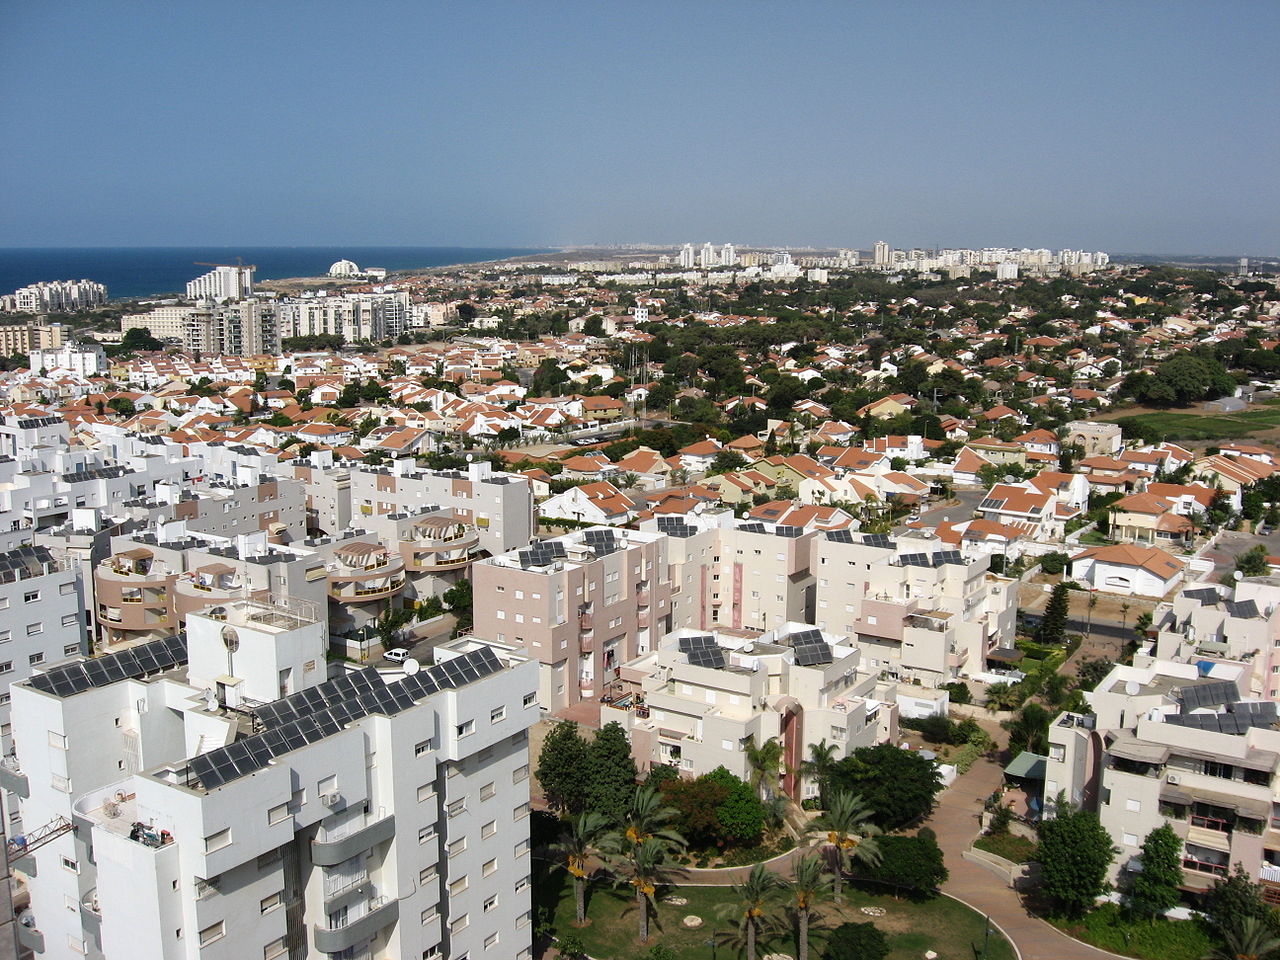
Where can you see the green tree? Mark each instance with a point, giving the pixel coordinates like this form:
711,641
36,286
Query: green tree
822,758
1234,899
650,817
459,600
898,786
847,824
809,885
740,815
1054,563
1253,562
643,867
856,941
1074,853
610,772
1249,939
577,845
1155,889
765,763
908,863
1053,625
1029,730
756,903
560,765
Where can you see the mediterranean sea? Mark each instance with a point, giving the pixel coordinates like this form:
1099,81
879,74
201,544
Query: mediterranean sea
131,272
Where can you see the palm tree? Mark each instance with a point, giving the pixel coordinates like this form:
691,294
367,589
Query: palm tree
578,843
822,757
643,867
648,819
809,885
765,763
1251,939
753,910
845,824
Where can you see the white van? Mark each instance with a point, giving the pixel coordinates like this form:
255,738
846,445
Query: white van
398,655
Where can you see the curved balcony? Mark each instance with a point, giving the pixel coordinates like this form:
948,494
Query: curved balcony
365,572
366,590
358,925
330,849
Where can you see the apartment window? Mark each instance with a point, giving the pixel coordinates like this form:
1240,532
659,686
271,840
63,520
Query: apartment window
522,848
31,596
487,791
34,629
426,792
6,636
530,699
457,807
67,588
69,864
428,875
489,829
278,813
421,748
35,658
520,774
490,867
524,919
520,812
70,619
268,860
4,698
466,728
431,953
497,715
459,886
270,903
491,904
1214,769
1133,806
1057,752
458,846
212,932
427,833
460,924
71,649
522,884
1130,839
501,614
492,939
216,841
451,770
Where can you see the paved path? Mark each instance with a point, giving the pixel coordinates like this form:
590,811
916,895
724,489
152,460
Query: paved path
956,822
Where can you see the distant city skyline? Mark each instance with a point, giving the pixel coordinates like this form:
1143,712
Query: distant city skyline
1134,127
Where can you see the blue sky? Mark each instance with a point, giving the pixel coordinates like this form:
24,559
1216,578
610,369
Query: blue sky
1119,126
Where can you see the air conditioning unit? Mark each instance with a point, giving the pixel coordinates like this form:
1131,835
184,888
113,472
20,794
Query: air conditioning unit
1173,779
331,799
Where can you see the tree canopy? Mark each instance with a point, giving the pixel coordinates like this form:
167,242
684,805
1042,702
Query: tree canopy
898,786
1075,851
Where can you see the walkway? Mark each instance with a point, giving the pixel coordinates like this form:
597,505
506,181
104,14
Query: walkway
956,823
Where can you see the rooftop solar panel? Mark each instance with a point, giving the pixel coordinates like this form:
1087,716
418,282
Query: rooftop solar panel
877,540
840,536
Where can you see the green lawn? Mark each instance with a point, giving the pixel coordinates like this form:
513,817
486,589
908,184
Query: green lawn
1011,847
1191,426
912,927
1106,929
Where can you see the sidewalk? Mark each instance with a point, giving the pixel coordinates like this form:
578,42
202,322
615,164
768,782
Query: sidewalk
956,823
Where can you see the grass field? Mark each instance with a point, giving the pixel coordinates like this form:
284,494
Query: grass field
912,927
1174,425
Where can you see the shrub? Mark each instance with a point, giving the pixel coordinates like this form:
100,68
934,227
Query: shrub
856,941
959,692
1054,563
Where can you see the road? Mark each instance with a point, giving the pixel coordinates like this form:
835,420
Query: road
957,511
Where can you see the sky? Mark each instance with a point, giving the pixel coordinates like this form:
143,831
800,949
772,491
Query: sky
1126,127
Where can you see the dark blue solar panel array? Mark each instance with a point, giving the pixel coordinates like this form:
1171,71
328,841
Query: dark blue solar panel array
810,649
134,663
311,715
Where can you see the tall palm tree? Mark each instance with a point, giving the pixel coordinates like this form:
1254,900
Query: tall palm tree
1251,939
642,866
822,757
754,908
765,763
579,841
649,818
809,885
846,825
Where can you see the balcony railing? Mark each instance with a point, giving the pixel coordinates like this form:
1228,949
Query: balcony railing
1203,866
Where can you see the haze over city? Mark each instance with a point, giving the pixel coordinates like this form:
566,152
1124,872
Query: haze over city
1133,127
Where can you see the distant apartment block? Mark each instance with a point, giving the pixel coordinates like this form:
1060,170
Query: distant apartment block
58,296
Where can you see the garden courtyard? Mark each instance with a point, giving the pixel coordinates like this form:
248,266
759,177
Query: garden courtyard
912,926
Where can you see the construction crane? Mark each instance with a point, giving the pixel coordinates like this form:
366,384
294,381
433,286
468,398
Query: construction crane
20,845
239,263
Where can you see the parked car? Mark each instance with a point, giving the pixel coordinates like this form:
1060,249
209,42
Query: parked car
398,655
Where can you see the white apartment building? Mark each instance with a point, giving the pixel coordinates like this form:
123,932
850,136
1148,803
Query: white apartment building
167,322
916,609
59,296
1176,743
354,316
43,619
688,257
222,283
217,797
696,700
581,605
83,359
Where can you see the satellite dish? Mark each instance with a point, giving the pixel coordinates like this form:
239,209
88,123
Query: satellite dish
748,647
1132,688
1238,575
411,666
210,700
230,639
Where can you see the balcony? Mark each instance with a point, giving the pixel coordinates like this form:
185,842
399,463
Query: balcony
331,848
12,779
1270,873
356,925
586,621
643,618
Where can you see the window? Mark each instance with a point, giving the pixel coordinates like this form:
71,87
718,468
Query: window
35,658
69,864
497,715
430,914
522,884
427,833
216,841
270,903
487,791
466,728
1133,806
35,629
431,953
1130,840
31,596
459,886
491,903
67,588
1057,751
489,829
71,649
268,860
457,807
421,748
530,699
211,933
70,618
522,848
6,636
460,924
520,774
428,875
458,846
426,792
520,812
1214,769
492,939
490,866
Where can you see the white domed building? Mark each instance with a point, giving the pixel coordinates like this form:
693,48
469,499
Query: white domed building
344,268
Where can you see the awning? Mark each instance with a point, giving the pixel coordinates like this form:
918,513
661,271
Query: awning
1005,655
1027,766
1131,748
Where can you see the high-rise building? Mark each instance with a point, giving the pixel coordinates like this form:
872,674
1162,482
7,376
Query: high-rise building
688,258
59,296
883,256
707,257
728,255
217,795
222,283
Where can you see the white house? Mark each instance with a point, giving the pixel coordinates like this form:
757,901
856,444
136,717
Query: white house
1128,570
